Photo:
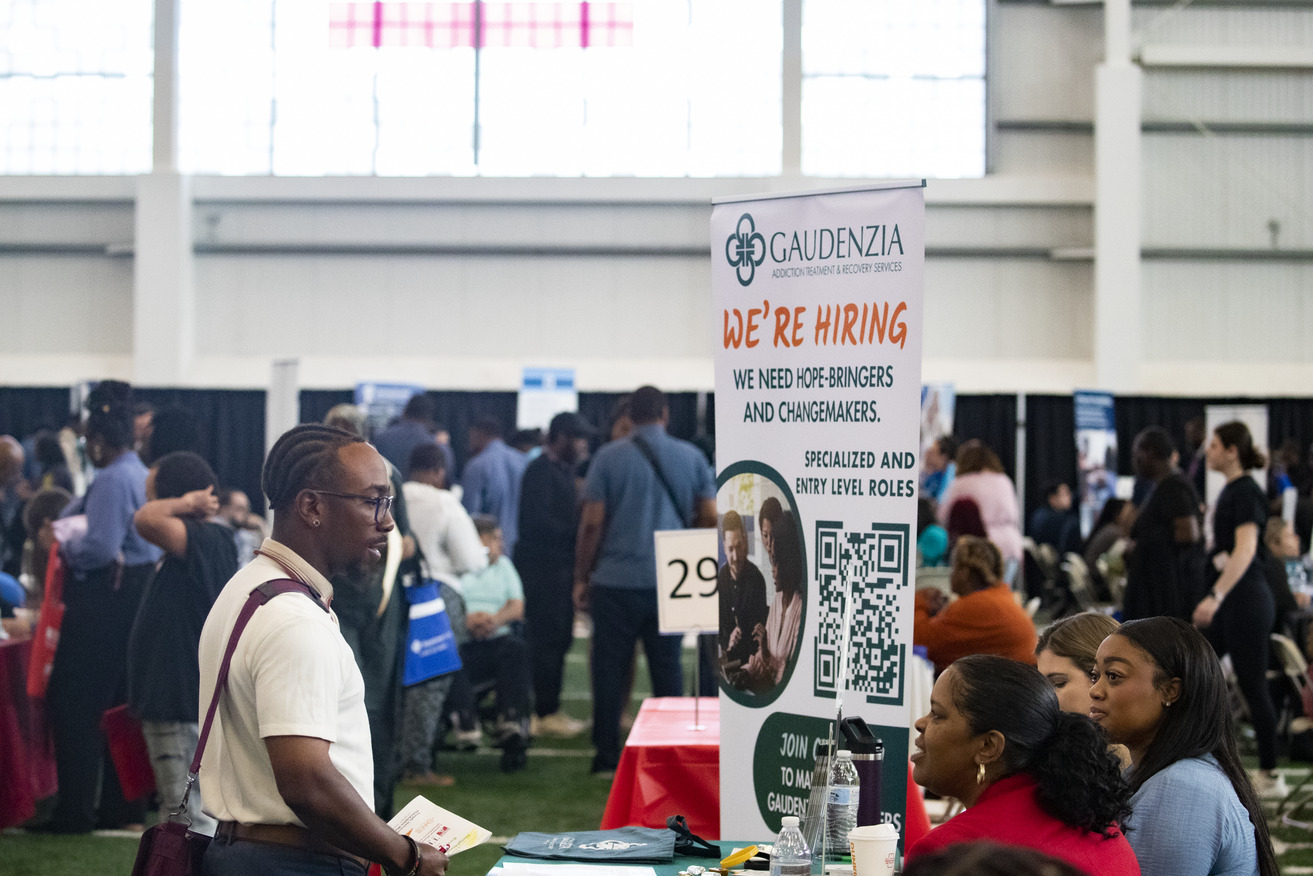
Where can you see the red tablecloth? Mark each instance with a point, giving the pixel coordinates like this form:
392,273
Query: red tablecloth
27,757
667,768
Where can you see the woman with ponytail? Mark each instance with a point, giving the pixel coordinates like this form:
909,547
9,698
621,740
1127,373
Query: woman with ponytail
1029,773
1238,613
1159,690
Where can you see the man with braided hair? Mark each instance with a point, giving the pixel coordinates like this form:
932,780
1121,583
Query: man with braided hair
288,769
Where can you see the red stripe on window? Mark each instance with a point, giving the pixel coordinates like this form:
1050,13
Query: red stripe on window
452,25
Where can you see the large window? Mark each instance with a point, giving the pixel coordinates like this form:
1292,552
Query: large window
892,88
75,86
649,88
652,88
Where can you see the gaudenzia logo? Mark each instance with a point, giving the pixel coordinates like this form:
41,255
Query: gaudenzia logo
745,249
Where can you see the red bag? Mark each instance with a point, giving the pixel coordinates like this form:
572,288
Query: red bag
49,620
127,748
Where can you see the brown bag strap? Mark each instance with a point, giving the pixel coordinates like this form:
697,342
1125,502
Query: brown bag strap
259,596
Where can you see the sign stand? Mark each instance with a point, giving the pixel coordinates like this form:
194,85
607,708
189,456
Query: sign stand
686,565
697,689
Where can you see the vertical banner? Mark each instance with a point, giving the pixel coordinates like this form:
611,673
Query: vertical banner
383,402
1096,454
818,309
938,406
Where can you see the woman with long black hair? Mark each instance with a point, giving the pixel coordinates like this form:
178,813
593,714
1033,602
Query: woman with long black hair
1029,773
1159,691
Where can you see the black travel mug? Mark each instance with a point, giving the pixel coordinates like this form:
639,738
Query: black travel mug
868,758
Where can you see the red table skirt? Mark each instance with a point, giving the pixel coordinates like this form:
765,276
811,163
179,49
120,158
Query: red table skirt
27,756
667,769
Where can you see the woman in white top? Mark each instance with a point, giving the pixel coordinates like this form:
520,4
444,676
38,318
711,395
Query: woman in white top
441,526
451,547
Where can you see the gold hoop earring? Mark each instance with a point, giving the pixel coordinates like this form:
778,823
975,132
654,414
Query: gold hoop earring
980,774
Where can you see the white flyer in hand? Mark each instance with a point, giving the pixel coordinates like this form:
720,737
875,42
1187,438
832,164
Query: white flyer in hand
426,822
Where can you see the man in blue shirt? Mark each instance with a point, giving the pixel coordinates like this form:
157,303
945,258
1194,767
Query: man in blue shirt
492,479
415,427
645,482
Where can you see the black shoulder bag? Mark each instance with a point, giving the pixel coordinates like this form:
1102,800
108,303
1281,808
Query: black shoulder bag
646,450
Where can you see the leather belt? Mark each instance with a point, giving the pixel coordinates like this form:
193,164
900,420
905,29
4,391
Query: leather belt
283,835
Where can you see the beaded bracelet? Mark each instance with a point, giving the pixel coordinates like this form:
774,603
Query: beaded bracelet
414,847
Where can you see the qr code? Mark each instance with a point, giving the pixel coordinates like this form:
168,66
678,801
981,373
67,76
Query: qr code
873,563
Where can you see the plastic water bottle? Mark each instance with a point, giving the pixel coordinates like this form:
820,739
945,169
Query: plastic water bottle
841,806
790,856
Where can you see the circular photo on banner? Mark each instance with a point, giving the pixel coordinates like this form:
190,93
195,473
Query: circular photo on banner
761,582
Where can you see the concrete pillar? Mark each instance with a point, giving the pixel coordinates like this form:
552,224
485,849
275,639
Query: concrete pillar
164,319
1118,310
791,91
164,307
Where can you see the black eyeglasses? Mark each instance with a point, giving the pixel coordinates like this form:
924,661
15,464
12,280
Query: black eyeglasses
382,504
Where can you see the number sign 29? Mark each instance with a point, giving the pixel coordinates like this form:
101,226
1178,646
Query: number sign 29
687,600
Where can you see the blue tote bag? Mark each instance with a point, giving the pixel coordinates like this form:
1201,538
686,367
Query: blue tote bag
431,648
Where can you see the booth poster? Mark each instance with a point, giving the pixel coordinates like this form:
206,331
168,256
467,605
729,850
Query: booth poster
1096,454
817,310
544,393
383,402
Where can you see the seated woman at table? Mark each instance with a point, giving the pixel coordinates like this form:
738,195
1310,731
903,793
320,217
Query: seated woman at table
1065,654
984,619
777,639
1029,773
1159,690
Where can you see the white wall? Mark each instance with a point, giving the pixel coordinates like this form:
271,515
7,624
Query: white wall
458,283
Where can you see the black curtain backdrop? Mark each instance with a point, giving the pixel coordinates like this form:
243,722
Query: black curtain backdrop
457,411
232,423
27,409
232,431
991,419
1050,448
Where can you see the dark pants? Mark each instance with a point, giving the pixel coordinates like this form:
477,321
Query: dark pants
90,676
620,618
504,661
378,643
1241,628
226,857
548,628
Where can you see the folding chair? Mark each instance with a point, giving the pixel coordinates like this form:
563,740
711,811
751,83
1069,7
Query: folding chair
1294,668
1078,581
1299,701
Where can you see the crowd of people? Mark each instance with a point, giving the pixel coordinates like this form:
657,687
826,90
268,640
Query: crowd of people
1112,754
148,541
1104,744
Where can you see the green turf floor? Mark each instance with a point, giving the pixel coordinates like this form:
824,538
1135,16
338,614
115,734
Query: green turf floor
555,792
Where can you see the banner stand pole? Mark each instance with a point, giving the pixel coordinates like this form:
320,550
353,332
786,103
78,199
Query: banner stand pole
697,683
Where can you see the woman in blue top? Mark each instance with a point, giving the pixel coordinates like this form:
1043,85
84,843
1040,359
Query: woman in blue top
1239,611
1159,691
108,567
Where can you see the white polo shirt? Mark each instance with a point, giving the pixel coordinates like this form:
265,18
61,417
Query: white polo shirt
292,675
